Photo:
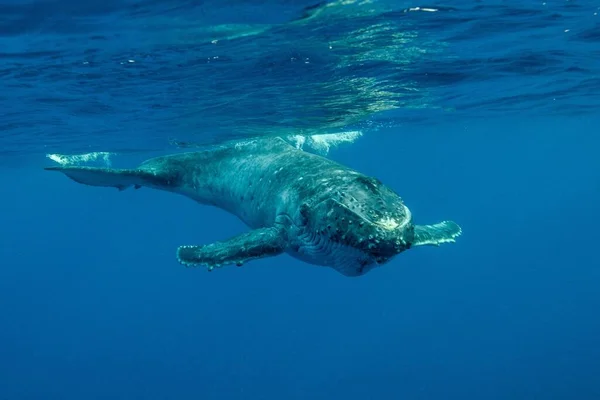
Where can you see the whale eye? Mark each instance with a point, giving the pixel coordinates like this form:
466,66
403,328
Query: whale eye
304,211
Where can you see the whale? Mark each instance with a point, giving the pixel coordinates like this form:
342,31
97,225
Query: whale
293,201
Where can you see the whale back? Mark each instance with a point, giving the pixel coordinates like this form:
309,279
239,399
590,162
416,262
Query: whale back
256,180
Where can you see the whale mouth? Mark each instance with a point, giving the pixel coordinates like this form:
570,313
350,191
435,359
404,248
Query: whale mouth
346,259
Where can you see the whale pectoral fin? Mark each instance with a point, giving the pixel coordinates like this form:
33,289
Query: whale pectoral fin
434,235
107,177
258,243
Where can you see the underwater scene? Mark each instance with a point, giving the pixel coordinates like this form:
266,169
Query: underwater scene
296,199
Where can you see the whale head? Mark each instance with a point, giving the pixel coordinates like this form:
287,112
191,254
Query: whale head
355,229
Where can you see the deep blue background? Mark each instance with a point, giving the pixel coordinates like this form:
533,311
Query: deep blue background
486,113
95,306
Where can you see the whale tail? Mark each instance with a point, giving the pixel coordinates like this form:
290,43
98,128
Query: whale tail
107,177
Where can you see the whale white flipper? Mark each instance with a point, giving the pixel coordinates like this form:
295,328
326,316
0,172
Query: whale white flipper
257,243
436,234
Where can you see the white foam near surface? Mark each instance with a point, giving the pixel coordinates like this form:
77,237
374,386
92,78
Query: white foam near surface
64,159
422,9
322,143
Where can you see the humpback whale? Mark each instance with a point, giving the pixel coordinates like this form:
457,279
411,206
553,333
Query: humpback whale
293,201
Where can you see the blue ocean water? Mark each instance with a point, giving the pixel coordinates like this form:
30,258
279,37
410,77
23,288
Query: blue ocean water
483,112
